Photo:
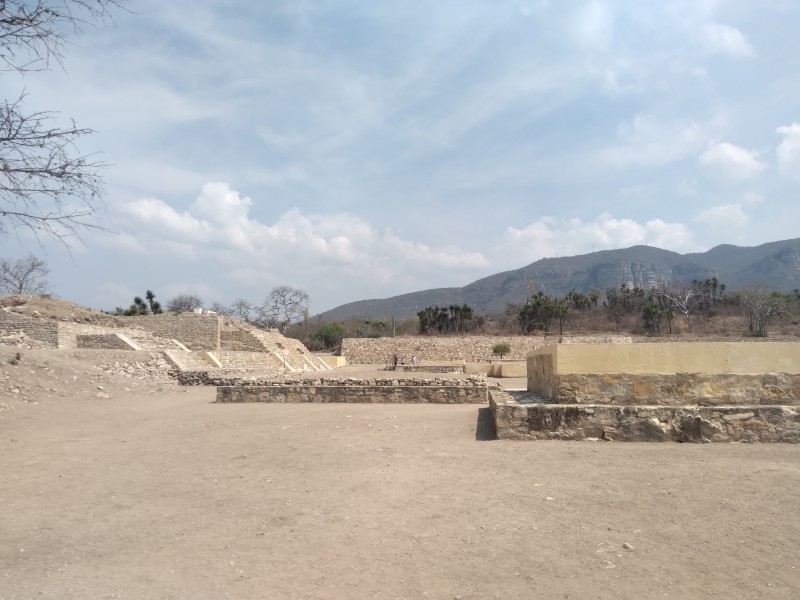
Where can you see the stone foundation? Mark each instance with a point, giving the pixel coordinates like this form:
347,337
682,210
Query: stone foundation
408,392
679,389
105,341
455,368
196,332
515,421
44,332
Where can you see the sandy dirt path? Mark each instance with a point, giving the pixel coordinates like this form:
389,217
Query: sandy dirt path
170,496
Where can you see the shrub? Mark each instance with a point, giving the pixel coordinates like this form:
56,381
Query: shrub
501,349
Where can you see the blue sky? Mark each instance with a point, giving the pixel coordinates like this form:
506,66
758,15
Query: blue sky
363,149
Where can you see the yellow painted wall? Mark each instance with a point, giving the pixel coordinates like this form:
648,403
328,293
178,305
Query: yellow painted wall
333,362
676,357
511,369
483,368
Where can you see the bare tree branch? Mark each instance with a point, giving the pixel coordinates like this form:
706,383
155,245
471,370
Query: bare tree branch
282,305
35,32
24,276
682,297
46,185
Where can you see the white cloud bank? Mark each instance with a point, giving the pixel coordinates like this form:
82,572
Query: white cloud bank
219,225
548,236
650,142
725,39
732,162
789,150
724,217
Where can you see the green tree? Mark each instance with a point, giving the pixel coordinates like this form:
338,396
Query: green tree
330,335
501,349
651,314
139,307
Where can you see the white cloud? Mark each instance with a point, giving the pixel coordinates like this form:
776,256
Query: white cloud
549,236
789,150
732,162
725,39
160,216
724,216
448,257
646,141
218,227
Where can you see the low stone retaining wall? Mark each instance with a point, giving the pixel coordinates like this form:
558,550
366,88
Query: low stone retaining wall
469,348
457,368
218,377
196,332
104,341
362,394
45,332
643,423
679,389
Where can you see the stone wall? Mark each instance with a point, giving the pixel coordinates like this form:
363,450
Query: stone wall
353,391
69,332
196,332
239,340
679,389
705,374
249,360
440,368
218,377
379,351
541,373
45,332
643,423
111,341
677,357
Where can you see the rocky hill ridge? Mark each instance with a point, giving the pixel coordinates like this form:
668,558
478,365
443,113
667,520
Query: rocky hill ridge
775,265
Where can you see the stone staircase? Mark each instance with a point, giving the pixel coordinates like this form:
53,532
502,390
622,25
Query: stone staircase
190,361
288,354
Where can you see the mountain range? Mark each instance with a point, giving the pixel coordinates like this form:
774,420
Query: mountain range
775,265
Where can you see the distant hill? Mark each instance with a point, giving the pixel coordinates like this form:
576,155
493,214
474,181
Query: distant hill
775,265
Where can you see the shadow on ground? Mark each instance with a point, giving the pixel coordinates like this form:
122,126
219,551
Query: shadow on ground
484,428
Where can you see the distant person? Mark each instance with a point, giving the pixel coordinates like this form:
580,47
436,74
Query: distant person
414,359
394,362
403,360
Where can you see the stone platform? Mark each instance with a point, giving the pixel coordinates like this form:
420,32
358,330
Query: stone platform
470,390
739,423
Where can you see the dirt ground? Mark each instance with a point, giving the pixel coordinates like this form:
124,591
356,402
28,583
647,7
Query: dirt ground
141,492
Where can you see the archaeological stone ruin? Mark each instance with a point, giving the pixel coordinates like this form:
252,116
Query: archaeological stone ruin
685,392
602,387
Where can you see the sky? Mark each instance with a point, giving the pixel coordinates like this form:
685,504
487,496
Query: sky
359,149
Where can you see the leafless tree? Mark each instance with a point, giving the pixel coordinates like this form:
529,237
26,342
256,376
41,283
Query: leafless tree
762,306
683,298
184,303
282,305
241,309
24,276
46,184
221,309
